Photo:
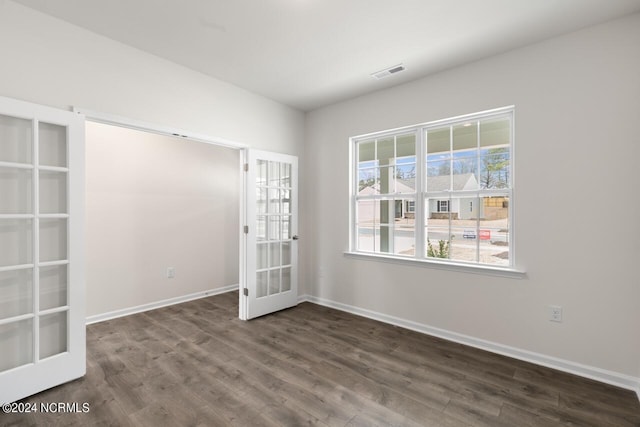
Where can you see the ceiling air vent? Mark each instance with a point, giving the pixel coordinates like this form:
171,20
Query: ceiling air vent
388,71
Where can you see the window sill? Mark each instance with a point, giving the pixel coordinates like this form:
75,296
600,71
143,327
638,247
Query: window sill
441,265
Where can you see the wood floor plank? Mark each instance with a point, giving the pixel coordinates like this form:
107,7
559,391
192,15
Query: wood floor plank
196,364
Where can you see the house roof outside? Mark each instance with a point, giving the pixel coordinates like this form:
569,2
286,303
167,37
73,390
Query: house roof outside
465,181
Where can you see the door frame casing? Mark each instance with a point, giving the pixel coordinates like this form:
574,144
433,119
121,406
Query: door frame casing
243,309
243,149
115,120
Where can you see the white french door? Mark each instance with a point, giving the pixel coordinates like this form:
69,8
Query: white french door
42,308
270,243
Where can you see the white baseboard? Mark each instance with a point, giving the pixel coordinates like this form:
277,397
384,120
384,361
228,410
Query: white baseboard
609,377
153,305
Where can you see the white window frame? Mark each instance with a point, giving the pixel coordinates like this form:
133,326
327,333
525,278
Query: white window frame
420,205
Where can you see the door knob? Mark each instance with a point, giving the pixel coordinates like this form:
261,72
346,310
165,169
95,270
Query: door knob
295,237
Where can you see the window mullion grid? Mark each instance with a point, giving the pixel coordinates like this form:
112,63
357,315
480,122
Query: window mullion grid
267,227
421,191
510,185
353,220
478,196
36,240
449,234
419,205
376,208
391,209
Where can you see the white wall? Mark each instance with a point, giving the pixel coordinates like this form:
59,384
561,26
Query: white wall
50,62
154,202
577,100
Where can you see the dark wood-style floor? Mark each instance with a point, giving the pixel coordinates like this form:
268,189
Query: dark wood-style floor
196,364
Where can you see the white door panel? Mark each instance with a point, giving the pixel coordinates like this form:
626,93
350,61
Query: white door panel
42,308
270,241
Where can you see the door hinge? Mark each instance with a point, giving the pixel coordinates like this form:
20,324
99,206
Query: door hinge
246,167
246,229
245,292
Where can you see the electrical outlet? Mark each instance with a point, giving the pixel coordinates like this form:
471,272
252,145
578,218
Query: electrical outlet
555,313
171,272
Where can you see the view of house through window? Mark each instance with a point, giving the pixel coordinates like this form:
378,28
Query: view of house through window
436,191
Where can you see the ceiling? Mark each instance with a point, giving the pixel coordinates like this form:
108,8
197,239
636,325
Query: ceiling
311,53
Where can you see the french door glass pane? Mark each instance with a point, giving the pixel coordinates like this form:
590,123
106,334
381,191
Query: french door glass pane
274,254
286,228
53,192
262,282
274,227
286,253
16,190
274,174
52,145
261,172
16,236
53,240
53,334
274,200
286,201
16,136
53,287
273,186
261,200
286,279
262,253
16,293
285,175
16,341
274,281
261,228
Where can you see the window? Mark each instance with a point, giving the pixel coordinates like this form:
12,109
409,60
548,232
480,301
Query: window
443,206
454,179
411,206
